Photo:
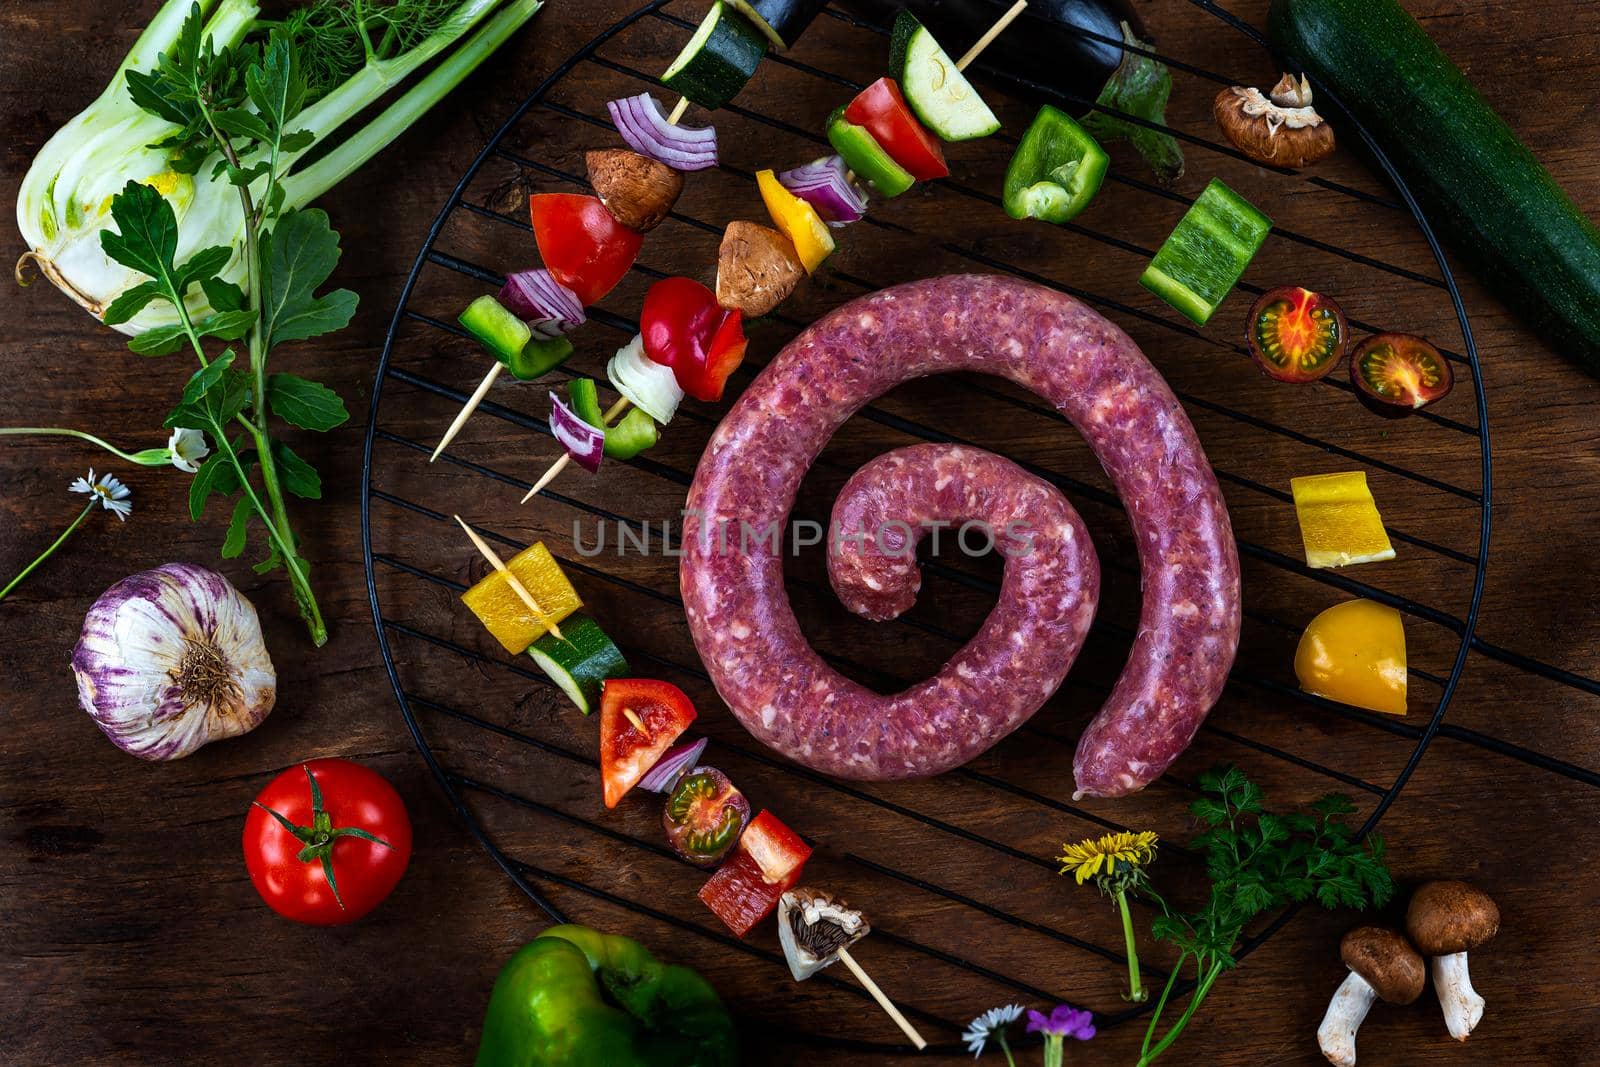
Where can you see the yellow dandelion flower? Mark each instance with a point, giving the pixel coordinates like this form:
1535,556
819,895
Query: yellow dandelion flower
1102,855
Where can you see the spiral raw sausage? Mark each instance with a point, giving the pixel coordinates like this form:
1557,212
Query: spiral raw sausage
780,688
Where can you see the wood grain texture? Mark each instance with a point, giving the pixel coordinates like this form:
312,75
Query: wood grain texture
130,934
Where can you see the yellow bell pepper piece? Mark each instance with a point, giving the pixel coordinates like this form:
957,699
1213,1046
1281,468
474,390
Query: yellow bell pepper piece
504,613
1339,521
799,221
1355,653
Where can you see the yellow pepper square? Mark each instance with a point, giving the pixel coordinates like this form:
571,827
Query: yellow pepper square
1339,521
505,615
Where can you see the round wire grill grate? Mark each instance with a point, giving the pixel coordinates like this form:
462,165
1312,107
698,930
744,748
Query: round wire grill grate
967,855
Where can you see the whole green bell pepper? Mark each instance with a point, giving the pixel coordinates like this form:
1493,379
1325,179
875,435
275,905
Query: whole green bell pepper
573,997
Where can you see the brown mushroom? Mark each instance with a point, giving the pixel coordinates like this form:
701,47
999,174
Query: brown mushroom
1383,966
1447,920
637,190
1281,131
757,269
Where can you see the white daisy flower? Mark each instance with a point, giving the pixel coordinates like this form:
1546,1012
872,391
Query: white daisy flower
991,1024
111,494
187,448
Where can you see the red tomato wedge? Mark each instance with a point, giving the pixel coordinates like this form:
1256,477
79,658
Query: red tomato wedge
626,752
766,864
884,112
582,245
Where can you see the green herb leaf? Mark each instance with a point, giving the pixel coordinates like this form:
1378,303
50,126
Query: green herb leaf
299,254
228,325
203,264
233,544
275,86
146,237
214,395
159,340
242,123
223,295
216,475
306,404
131,302
299,477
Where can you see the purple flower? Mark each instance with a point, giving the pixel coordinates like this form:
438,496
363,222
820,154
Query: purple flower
1064,1021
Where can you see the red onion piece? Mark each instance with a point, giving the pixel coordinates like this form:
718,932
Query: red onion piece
549,308
640,121
673,764
827,186
584,443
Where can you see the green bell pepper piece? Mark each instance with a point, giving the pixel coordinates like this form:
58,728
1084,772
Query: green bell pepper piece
632,434
1056,170
863,154
538,357
573,997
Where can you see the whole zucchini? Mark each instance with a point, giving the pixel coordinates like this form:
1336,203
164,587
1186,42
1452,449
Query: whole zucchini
1503,213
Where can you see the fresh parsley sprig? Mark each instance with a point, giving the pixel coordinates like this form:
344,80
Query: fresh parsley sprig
238,107
1257,861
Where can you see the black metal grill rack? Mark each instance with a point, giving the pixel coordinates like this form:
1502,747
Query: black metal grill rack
977,843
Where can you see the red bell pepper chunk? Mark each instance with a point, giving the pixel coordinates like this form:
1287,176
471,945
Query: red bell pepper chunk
626,752
684,328
580,242
884,112
766,864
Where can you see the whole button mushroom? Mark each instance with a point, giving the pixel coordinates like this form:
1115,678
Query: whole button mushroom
1447,920
1383,966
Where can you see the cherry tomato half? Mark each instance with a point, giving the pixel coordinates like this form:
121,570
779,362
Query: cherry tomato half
884,112
581,243
1296,335
704,816
1400,370
326,841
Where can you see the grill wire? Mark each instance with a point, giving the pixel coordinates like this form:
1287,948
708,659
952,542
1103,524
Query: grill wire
388,569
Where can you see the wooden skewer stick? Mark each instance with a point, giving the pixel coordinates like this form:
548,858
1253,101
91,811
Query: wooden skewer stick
994,31
883,1000
638,723
677,112
468,408
566,457
516,583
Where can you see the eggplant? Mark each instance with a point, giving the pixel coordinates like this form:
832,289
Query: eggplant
1046,56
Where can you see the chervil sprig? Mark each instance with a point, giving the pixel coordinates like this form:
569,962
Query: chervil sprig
1258,861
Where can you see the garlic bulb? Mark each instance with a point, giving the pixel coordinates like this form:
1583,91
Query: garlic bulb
172,658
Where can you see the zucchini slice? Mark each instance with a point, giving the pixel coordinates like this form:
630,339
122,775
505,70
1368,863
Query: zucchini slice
780,21
580,660
719,60
941,95
1204,258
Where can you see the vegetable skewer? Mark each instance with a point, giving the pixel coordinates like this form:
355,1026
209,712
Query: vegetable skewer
494,372
621,406
511,579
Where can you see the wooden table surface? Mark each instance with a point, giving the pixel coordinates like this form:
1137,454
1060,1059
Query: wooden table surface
130,932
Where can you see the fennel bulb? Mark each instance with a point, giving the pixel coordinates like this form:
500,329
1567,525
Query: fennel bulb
362,49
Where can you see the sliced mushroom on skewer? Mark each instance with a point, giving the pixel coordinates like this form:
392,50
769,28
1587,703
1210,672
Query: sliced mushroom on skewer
814,927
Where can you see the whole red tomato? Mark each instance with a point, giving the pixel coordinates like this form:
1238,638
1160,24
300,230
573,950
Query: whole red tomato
326,841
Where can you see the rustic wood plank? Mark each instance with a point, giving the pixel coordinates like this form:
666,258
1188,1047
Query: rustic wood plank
131,934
